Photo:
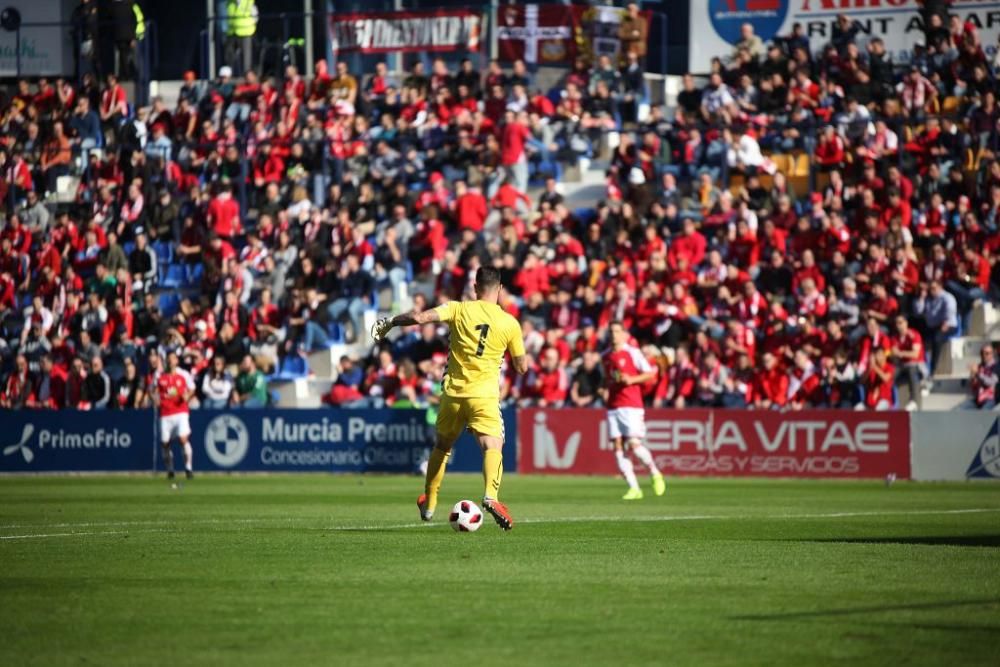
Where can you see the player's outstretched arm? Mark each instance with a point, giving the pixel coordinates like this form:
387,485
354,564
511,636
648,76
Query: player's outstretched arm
520,364
382,327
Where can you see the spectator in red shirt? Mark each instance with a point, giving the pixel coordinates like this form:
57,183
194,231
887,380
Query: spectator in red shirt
907,350
470,207
771,390
690,246
224,214
830,151
879,380
547,385
971,281
513,158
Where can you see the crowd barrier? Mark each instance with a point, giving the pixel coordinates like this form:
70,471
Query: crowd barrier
834,444
728,443
321,440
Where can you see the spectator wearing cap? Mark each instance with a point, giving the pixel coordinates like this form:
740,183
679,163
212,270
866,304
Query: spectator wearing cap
159,145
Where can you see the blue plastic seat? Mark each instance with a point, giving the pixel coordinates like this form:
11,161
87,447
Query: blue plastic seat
334,332
164,252
292,367
193,274
585,215
169,303
173,276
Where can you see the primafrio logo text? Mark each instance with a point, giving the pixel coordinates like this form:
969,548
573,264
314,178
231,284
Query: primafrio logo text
63,439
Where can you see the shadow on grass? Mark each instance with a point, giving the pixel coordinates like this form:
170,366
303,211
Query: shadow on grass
820,613
930,540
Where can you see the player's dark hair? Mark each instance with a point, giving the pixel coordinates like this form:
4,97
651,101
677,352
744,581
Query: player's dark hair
487,278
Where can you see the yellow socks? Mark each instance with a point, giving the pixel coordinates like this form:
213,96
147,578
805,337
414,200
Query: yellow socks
492,472
435,474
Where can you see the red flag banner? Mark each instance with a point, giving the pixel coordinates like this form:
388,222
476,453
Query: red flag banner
382,32
725,443
541,34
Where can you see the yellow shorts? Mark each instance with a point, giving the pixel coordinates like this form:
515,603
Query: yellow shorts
480,415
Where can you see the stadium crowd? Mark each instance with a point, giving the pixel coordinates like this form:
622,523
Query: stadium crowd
258,220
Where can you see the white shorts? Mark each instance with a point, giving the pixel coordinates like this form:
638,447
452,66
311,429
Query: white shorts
174,426
627,423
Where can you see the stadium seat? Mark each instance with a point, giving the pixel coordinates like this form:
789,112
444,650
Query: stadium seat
173,276
170,303
164,252
128,247
193,274
292,367
335,332
585,215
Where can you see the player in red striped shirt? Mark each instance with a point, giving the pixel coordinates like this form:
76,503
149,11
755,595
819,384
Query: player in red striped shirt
626,370
174,389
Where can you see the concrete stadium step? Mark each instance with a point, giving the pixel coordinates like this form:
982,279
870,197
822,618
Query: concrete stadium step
947,402
324,363
957,383
302,393
985,321
961,352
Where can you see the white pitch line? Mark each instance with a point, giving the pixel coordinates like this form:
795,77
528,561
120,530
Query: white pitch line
47,535
572,519
151,522
690,517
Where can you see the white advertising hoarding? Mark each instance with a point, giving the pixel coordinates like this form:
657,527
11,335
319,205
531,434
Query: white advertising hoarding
715,24
45,49
957,445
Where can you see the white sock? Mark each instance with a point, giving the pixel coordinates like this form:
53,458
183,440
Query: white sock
625,465
644,455
168,458
188,456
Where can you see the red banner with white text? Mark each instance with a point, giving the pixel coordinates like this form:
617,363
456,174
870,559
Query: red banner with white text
724,443
391,32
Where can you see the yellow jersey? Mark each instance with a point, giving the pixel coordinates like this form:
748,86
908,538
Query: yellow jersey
480,334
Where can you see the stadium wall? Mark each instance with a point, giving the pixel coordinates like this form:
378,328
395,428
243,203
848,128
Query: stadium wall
725,443
719,443
321,440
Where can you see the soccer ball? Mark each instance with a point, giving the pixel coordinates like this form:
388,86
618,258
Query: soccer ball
466,516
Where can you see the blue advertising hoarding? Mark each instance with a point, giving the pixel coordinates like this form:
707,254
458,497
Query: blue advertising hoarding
327,440
72,440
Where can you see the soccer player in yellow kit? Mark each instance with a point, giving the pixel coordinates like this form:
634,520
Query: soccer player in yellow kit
481,332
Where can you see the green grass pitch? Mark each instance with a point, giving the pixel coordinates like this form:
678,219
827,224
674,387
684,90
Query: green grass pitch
311,570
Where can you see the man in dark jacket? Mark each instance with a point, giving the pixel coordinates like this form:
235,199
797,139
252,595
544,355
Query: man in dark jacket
164,223
355,295
142,261
85,25
123,25
97,386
